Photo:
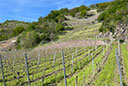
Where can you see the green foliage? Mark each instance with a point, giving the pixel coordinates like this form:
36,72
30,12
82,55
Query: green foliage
100,6
2,30
116,14
18,30
59,28
107,75
32,26
68,28
28,39
101,17
3,37
73,11
11,28
48,29
56,15
83,13
124,50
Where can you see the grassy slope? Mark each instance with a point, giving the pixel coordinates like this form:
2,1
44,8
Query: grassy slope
109,75
124,50
86,72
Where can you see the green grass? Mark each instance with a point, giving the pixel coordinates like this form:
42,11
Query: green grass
86,72
124,51
78,34
109,75
52,78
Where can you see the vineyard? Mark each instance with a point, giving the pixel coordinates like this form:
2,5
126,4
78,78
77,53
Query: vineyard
78,58
48,69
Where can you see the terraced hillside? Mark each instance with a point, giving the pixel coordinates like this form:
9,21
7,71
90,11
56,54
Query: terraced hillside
81,57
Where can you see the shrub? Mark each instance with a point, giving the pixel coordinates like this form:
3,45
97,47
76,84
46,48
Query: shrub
59,28
28,39
3,37
83,13
73,11
68,28
101,17
114,15
18,30
2,30
32,26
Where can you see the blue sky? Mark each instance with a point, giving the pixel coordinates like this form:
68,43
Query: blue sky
31,10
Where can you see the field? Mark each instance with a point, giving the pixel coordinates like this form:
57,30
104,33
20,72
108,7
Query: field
81,56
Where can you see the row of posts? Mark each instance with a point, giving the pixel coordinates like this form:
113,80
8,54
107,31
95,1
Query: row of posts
2,70
76,80
118,62
64,69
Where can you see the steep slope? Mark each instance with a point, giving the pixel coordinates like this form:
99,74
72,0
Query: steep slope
85,31
115,19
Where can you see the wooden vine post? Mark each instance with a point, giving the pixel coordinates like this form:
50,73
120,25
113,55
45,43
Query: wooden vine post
2,70
76,81
92,63
72,61
88,55
38,63
64,68
83,81
76,55
88,52
118,63
26,62
103,50
54,60
118,47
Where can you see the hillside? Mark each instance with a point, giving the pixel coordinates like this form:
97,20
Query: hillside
7,29
68,47
12,24
115,19
78,25
101,6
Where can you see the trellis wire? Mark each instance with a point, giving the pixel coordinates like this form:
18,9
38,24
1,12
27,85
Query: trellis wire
92,63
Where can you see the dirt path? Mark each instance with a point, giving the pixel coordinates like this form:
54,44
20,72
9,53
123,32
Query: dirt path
71,44
4,45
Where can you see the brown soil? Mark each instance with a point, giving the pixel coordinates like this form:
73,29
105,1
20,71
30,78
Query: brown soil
4,45
73,43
